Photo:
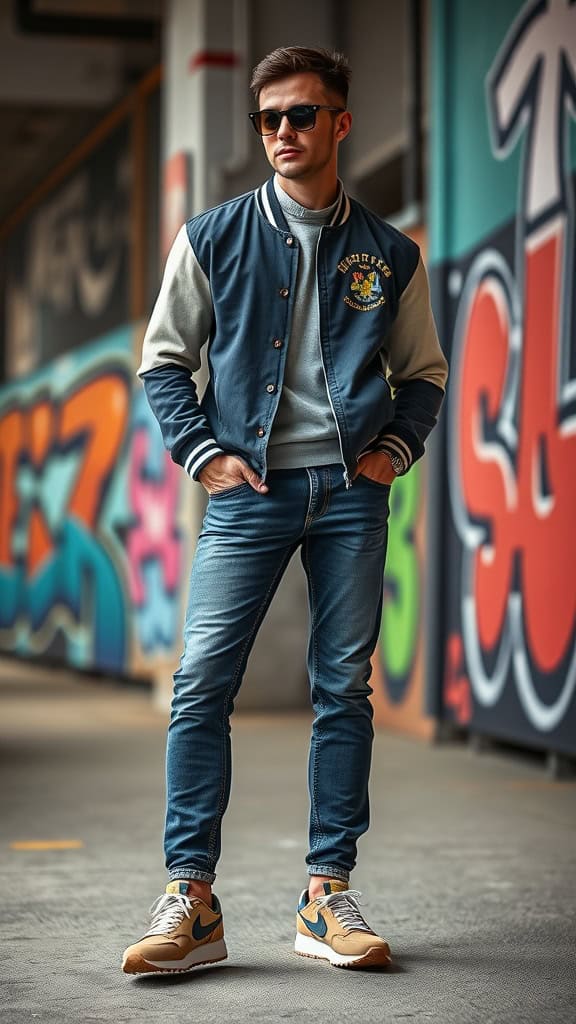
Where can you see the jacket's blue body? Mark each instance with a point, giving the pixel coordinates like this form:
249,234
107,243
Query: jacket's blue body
250,259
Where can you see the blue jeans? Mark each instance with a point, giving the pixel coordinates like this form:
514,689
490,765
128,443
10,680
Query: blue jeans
244,547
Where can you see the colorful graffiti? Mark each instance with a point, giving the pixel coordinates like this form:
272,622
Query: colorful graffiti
153,542
512,422
402,583
89,546
399,664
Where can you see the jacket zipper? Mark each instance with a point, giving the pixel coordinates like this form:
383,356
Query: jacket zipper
347,479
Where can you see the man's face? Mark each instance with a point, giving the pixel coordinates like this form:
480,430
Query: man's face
303,155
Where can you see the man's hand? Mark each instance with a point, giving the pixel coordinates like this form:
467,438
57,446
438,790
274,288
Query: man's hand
225,471
376,466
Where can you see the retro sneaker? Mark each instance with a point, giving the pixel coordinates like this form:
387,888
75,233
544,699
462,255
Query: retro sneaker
332,928
184,933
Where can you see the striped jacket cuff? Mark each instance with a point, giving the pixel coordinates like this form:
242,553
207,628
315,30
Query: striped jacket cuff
391,444
200,455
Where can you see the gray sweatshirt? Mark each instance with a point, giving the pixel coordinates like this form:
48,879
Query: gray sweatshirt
304,430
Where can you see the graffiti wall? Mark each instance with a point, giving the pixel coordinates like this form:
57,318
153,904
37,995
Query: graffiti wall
90,544
503,243
399,677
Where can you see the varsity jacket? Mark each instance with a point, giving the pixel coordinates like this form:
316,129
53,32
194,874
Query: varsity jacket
229,284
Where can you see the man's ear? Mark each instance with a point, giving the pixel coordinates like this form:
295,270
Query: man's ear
344,125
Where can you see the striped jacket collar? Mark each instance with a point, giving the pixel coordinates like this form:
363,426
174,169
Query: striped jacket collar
267,202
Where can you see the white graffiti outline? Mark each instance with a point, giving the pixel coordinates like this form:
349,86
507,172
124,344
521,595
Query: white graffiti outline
488,266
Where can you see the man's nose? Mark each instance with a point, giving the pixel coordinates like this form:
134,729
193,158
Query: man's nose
285,129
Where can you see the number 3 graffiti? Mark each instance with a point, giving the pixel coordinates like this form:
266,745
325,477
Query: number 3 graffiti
512,411
400,621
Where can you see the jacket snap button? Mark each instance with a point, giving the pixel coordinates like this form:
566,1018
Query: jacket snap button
270,388
260,431
284,293
277,343
289,240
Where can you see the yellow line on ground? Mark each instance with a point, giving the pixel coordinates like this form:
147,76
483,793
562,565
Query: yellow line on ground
48,844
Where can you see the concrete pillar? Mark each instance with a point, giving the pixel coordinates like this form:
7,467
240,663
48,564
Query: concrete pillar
205,83
201,66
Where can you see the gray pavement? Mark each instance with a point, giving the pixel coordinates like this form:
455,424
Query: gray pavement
468,870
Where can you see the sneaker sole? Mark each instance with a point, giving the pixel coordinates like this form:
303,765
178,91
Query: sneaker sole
376,956
211,953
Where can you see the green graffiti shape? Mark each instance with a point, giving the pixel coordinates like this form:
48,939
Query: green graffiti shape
398,632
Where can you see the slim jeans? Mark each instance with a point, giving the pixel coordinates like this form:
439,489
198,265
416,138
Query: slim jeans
246,542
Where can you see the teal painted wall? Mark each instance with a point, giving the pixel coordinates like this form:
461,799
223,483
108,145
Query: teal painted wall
472,193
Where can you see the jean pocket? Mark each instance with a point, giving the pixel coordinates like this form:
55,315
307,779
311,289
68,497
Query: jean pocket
228,491
375,483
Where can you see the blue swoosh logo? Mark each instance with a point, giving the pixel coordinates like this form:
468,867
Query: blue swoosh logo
200,931
317,927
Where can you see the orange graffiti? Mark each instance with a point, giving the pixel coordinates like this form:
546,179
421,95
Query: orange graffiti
98,413
525,500
456,682
39,432
93,416
11,442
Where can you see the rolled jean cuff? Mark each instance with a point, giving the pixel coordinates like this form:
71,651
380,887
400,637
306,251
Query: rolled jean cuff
330,870
190,874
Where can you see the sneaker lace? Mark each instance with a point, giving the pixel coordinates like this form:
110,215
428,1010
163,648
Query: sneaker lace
167,913
344,906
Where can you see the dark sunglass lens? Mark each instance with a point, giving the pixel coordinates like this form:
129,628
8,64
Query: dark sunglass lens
301,118
269,122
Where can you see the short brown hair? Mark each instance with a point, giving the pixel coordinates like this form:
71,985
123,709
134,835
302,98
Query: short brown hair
331,67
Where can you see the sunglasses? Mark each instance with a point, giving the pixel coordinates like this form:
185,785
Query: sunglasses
301,118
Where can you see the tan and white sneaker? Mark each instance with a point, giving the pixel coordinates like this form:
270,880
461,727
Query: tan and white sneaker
332,928
184,933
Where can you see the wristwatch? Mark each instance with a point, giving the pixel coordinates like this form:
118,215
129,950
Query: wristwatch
397,463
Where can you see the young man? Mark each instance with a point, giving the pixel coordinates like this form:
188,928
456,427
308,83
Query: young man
313,309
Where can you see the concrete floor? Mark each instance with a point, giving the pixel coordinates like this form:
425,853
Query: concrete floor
469,871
